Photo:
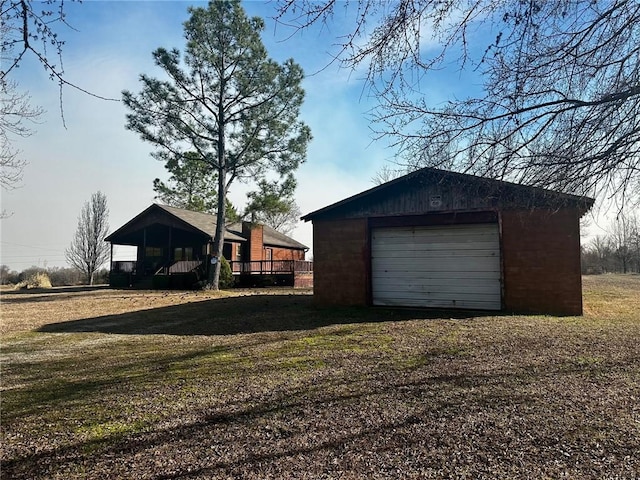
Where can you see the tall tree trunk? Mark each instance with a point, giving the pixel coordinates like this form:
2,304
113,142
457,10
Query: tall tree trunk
218,240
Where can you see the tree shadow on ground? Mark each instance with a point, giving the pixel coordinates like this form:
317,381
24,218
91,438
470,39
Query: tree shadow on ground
248,314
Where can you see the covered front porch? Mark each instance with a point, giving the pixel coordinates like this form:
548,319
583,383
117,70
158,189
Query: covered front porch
173,249
182,274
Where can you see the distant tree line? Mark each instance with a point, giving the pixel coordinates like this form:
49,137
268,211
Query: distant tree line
616,252
59,276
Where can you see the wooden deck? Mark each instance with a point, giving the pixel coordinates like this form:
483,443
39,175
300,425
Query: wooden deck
271,267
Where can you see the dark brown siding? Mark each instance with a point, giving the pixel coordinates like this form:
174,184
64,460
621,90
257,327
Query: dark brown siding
541,261
340,262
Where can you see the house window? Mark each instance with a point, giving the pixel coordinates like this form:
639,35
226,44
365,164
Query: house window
239,251
181,253
153,252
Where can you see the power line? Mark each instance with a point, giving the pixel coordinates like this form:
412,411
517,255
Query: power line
31,256
31,246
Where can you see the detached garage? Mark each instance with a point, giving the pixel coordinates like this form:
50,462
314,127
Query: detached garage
446,240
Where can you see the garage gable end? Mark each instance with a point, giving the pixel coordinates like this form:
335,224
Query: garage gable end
430,190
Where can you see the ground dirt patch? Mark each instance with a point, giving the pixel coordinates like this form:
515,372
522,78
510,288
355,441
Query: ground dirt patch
261,384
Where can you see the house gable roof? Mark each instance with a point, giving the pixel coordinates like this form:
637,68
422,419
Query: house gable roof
200,223
275,238
414,193
271,237
203,222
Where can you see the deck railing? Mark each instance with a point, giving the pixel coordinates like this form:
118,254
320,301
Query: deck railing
258,267
270,267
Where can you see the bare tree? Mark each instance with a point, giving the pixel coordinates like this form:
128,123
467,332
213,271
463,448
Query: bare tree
624,241
599,255
388,173
15,110
27,27
15,113
29,30
34,28
559,105
88,250
618,251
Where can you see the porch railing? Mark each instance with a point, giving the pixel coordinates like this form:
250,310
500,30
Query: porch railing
181,266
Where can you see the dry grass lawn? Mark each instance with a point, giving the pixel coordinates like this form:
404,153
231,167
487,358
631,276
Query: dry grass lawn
108,384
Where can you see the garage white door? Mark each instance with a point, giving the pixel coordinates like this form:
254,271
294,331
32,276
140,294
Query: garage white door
442,266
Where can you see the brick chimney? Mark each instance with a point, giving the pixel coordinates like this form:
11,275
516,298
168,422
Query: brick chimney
254,234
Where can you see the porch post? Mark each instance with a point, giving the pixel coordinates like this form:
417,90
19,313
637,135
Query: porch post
143,257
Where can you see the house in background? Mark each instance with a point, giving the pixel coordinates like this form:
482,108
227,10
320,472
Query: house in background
440,239
174,247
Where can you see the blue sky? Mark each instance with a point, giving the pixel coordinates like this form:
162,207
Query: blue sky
109,48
